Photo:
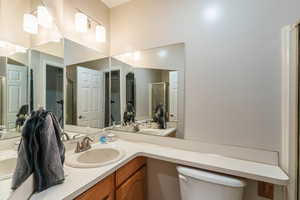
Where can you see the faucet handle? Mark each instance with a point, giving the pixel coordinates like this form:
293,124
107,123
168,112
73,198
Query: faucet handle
84,145
86,142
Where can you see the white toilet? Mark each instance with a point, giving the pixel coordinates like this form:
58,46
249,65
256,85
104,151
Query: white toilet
202,185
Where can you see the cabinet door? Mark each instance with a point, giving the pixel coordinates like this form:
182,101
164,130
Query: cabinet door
129,169
134,188
103,190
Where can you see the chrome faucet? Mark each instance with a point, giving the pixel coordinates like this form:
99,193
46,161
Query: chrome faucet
84,145
65,136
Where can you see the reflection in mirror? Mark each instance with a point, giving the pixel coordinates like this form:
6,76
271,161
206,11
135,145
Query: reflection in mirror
14,93
47,65
87,85
147,91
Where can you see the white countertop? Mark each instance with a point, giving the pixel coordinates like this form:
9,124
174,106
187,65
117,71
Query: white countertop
79,180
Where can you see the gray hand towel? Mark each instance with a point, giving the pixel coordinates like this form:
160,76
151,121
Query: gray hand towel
41,152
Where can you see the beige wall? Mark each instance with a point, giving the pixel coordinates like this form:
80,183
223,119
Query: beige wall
11,21
232,64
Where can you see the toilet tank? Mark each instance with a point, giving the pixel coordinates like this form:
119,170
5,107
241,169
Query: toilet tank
197,184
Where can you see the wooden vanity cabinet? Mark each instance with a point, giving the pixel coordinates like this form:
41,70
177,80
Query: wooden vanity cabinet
134,188
127,183
104,190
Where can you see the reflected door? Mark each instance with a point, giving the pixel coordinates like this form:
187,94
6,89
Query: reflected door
16,92
89,98
115,97
55,91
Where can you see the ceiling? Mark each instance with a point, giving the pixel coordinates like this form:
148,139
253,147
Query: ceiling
113,3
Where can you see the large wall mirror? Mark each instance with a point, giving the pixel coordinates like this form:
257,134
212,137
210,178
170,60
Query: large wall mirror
31,65
87,86
47,70
14,90
147,91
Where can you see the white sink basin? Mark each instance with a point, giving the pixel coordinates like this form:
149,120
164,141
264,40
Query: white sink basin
7,167
96,157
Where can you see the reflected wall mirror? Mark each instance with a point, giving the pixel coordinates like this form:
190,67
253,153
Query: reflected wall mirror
147,91
87,86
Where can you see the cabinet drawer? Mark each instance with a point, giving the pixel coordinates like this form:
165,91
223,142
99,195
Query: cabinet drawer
129,169
104,190
133,188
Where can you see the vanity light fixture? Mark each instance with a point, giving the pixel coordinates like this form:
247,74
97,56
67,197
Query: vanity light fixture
3,44
44,17
100,33
81,22
30,24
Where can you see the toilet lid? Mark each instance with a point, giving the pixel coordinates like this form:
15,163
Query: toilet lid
211,177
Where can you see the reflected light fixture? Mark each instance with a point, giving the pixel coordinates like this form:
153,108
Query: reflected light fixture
30,24
81,22
212,13
100,33
136,56
3,44
44,17
162,53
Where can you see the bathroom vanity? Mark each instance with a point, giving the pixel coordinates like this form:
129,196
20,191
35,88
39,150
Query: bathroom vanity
127,183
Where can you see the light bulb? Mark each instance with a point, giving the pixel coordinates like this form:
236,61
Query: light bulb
44,17
81,22
30,24
100,33
3,44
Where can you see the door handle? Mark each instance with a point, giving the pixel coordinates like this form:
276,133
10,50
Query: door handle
80,117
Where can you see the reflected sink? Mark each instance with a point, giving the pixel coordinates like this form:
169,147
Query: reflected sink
7,167
95,157
151,131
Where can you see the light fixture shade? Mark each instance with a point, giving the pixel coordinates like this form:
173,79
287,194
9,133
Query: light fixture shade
100,33
3,44
81,22
44,17
30,24
20,49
